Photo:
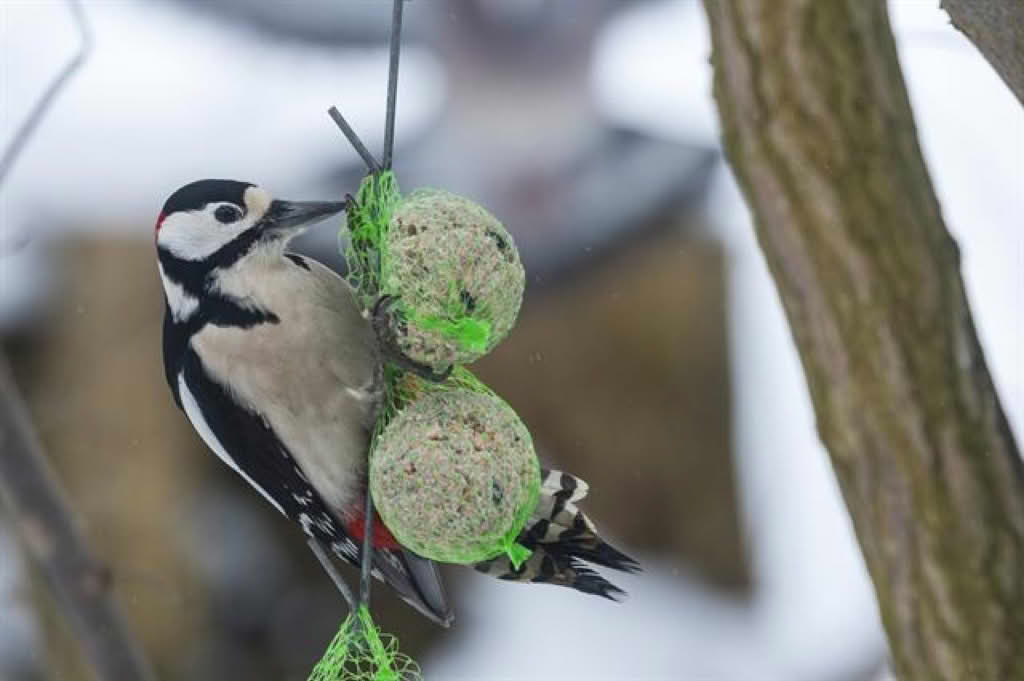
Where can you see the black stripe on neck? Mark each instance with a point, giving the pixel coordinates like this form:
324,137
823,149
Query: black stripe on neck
195,276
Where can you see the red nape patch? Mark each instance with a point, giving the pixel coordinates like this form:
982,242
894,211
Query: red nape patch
382,537
159,222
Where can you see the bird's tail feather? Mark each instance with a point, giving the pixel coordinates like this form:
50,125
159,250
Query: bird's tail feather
416,580
564,541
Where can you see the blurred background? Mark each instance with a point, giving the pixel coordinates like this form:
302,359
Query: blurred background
651,358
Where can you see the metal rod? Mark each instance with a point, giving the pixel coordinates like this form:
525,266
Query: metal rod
353,139
367,564
332,571
396,46
389,145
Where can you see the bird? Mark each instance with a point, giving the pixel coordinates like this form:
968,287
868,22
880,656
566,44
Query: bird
279,370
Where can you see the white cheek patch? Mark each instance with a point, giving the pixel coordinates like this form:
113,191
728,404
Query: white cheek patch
196,235
182,304
195,415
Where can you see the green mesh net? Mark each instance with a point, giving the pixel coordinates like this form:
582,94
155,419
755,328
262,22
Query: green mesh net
369,217
361,652
457,270
455,312
447,260
453,471
451,266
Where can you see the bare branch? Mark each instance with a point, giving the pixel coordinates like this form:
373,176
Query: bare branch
996,27
52,537
38,112
818,128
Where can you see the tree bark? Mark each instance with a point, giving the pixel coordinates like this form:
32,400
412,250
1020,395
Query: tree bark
819,131
53,539
996,27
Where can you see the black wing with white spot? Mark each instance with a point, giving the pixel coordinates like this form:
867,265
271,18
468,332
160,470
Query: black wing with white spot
244,441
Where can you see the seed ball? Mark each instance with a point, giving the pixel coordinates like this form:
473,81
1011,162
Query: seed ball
456,272
453,473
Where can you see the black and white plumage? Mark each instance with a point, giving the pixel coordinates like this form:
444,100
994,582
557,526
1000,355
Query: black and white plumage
274,365
279,372
564,541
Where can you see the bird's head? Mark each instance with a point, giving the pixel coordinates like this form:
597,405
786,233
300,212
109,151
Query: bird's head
211,219
209,227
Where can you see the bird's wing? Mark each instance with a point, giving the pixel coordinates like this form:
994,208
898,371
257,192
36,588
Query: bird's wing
247,443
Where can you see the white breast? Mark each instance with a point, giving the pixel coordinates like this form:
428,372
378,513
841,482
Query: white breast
312,376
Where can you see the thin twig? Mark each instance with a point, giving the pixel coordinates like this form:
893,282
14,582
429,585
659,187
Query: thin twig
51,534
389,117
38,112
353,139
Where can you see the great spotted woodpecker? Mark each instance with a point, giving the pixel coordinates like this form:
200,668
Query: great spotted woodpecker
279,371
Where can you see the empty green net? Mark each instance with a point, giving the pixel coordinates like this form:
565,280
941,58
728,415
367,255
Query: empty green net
361,652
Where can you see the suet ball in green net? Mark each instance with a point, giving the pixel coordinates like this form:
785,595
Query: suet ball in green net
456,273
454,473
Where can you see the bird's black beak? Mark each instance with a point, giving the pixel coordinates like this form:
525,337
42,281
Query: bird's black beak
288,216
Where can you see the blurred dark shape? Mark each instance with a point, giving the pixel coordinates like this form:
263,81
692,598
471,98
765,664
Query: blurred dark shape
523,34
358,22
503,25
93,383
618,190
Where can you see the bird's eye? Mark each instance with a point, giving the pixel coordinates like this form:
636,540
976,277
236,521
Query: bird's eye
227,213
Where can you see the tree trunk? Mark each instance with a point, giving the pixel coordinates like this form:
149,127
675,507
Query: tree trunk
996,27
819,132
